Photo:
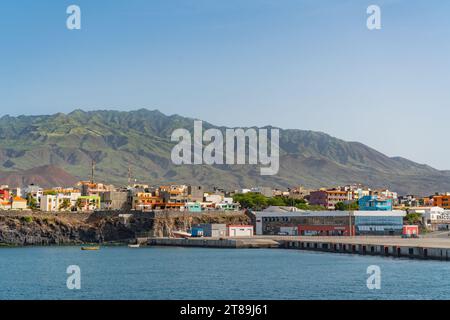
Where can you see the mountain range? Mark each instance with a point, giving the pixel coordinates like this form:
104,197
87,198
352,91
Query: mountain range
65,145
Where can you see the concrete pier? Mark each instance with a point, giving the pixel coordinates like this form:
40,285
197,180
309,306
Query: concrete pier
436,249
214,242
423,248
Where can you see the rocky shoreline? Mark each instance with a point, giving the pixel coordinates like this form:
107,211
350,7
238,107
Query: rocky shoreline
35,228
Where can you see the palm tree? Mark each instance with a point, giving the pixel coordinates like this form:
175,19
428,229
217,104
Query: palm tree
65,204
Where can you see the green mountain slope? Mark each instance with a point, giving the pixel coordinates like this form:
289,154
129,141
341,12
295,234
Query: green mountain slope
141,140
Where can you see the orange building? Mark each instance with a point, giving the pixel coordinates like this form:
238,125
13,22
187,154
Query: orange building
442,201
147,201
18,203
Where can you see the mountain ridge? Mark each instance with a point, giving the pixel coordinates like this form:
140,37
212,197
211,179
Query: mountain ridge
45,176
140,139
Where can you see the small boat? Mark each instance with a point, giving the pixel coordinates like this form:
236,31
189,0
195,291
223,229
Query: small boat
90,248
181,234
134,245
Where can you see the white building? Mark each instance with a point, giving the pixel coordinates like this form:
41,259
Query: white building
214,198
56,202
34,191
239,231
17,192
436,218
228,200
48,203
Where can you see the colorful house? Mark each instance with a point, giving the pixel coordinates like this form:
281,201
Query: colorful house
147,201
227,206
328,198
5,205
194,207
4,195
18,203
88,203
374,203
442,201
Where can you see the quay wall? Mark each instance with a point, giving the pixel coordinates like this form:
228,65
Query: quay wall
386,249
179,242
214,242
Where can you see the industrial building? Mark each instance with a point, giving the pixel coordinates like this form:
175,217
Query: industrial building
215,230
329,223
239,231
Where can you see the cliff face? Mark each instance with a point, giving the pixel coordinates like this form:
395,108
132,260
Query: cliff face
69,228
164,225
47,230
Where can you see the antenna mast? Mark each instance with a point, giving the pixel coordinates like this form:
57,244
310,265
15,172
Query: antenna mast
92,171
129,175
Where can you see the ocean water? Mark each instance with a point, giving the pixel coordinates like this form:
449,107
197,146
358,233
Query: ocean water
198,273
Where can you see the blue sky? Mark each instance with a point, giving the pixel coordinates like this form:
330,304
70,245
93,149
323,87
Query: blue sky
290,63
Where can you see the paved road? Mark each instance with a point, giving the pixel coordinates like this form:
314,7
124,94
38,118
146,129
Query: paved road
437,234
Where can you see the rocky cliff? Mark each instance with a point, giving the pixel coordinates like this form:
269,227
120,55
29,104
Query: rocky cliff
25,228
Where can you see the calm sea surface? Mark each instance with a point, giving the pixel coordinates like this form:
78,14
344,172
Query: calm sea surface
197,273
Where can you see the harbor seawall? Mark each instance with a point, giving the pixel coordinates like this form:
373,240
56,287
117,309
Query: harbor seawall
214,242
385,248
435,249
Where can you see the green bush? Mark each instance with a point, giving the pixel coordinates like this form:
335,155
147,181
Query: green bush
257,201
27,219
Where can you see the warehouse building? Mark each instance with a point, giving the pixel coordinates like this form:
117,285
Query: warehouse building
329,223
240,231
215,230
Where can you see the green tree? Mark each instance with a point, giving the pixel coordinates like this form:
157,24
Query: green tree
31,202
341,206
65,204
79,204
413,218
27,219
250,200
256,201
277,201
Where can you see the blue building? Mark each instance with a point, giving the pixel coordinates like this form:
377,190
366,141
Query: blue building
381,223
373,203
194,207
197,232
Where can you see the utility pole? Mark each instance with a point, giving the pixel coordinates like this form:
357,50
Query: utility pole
129,176
350,223
92,171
